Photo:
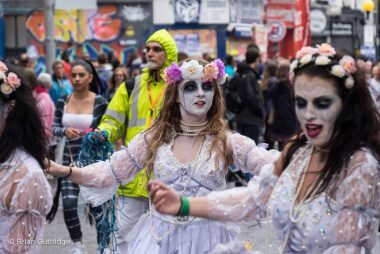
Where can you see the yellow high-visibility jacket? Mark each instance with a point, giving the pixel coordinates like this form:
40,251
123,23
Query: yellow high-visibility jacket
130,115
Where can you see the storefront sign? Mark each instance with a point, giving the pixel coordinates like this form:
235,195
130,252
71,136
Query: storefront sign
246,11
318,21
340,28
214,12
284,12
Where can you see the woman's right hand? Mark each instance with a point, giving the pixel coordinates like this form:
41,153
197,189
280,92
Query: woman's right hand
71,132
165,199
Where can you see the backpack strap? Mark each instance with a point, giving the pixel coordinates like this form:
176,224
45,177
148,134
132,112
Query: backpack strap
130,83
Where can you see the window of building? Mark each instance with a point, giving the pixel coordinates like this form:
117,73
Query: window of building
15,33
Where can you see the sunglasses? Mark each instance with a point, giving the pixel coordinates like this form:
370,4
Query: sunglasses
156,49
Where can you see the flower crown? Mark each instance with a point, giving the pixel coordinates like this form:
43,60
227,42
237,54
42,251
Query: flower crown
322,55
192,70
9,81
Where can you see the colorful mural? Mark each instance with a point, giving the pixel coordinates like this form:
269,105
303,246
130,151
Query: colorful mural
110,28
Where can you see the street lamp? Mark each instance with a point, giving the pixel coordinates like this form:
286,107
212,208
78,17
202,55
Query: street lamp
368,6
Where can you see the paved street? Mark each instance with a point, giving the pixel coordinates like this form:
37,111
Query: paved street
57,232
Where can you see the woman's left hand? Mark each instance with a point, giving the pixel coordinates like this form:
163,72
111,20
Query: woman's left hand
56,169
165,199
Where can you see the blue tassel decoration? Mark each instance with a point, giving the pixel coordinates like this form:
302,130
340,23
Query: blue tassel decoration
96,147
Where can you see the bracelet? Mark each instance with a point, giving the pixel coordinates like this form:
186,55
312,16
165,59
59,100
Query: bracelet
71,171
185,207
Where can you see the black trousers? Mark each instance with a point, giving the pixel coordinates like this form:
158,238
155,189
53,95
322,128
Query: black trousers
70,193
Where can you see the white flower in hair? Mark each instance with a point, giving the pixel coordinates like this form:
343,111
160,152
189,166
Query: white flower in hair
306,59
191,70
293,65
322,60
338,71
349,82
6,89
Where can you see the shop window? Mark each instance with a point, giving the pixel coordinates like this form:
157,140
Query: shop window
15,34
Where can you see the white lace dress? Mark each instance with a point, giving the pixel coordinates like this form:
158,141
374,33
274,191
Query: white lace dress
22,223
197,178
342,220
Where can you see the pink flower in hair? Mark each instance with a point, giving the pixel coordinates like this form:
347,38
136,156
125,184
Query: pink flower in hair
13,80
172,74
210,72
325,50
221,69
3,67
306,51
348,63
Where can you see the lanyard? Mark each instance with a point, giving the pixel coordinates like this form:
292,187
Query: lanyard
153,103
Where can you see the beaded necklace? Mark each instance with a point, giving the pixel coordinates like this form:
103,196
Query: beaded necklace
298,209
178,220
194,125
198,129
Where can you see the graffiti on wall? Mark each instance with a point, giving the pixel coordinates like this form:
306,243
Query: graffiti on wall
115,28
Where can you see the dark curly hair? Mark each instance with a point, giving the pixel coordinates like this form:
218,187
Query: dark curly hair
23,126
356,126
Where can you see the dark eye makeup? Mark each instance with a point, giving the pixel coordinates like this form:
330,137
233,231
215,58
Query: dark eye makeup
207,86
191,86
320,102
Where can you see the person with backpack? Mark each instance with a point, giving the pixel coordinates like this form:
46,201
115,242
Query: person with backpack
132,109
249,102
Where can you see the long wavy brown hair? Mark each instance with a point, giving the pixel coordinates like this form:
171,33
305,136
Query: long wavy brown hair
169,120
357,125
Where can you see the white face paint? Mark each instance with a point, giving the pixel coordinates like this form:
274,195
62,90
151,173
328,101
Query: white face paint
195,99
317,107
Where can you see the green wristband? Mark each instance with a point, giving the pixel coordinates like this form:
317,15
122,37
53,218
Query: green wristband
185,207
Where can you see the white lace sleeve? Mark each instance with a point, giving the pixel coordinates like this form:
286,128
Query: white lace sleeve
101,180
247,156
243,203
30,204
359,198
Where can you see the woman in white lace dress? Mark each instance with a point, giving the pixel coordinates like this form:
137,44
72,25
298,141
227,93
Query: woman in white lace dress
25,194
323,194
189,147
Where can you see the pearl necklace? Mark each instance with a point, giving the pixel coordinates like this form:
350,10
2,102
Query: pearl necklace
178,220
268,219
299,208
190,132
194,125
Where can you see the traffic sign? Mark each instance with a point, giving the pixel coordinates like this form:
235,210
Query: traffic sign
277,31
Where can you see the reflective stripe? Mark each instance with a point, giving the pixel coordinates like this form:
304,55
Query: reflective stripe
110,122
118,116
134,120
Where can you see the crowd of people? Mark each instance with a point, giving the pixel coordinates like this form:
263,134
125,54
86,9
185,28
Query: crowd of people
314,187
